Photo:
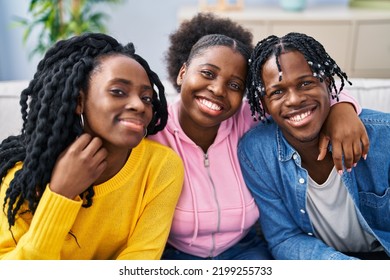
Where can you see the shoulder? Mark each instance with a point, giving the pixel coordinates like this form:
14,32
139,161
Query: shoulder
259,142
162,154
11,173
263,131
373,117
159,149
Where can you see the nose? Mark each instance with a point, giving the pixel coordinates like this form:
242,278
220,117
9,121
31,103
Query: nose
134,103
217,87
294,97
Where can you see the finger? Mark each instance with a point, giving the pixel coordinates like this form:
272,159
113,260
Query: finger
322,146
101,167
93,146
365,145
357,152
100,156
337,153
82,142
348,152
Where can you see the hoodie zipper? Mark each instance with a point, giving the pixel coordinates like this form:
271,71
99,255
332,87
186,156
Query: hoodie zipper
207,165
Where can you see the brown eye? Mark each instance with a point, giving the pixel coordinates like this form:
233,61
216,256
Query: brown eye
117,92
147,100
235,86
208,74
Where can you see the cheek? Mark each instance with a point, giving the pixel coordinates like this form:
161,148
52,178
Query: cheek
150,113
236,100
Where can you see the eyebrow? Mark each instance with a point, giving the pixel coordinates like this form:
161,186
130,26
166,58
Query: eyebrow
129,82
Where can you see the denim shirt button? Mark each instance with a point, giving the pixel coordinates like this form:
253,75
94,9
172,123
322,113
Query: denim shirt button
301,180
310,233
303,211
295,156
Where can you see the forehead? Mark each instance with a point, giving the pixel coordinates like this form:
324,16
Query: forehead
292,62
121,66
225,58
216,52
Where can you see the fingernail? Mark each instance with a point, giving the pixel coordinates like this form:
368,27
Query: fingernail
354,165
340,172
365,156
349,169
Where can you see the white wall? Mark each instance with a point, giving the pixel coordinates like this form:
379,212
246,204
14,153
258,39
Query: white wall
146,23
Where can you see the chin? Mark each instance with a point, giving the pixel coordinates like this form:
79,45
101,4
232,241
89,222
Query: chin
307,138
130,143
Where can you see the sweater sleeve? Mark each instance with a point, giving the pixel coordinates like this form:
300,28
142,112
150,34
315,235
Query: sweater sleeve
39,236
344,96
148,240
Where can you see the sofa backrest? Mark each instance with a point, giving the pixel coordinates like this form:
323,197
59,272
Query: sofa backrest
370,93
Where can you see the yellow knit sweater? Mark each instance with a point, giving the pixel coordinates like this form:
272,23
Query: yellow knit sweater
130,217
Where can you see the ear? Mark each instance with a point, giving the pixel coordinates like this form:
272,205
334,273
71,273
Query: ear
80,103
182,72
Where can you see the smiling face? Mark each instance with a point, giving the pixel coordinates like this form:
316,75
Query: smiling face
299,103
118,105
212,87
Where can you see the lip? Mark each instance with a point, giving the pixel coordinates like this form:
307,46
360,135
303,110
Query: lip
301,117
209,106
132,123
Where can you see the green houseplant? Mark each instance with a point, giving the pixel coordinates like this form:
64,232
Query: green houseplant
61,19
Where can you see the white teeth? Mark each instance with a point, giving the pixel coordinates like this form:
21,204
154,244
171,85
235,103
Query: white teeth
298,118
210,105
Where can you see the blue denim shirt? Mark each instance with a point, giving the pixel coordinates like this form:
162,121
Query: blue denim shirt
273,172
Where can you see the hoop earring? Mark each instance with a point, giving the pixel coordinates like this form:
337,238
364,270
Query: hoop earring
82,121
146,132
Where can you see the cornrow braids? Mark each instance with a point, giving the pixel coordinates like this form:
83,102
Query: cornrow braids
319,61
50,122
190,31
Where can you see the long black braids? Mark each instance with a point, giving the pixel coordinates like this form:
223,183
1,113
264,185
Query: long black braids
320,62
50,122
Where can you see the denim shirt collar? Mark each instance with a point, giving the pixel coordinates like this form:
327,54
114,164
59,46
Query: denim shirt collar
285,150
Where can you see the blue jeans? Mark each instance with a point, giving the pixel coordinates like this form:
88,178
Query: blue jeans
251,247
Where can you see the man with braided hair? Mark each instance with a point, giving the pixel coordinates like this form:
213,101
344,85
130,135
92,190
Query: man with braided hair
81,181
216,214
309,208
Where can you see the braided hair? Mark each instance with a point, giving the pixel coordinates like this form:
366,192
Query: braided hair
190,31
319,61
50,122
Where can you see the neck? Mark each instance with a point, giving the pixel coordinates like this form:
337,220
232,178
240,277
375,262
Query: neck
318,170
201,135
115,162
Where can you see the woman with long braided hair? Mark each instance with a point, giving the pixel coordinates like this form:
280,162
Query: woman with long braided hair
81,181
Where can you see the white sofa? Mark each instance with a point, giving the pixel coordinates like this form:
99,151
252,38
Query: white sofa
370,93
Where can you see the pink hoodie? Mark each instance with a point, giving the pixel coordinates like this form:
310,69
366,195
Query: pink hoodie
215,209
